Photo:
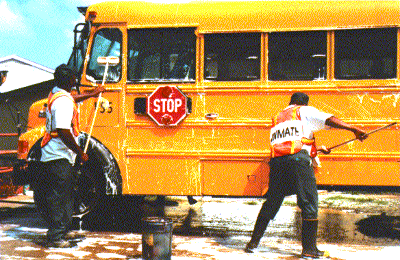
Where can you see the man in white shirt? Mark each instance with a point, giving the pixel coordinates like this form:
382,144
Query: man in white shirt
291,170
54,191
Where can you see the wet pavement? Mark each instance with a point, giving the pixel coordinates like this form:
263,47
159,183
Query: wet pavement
350,227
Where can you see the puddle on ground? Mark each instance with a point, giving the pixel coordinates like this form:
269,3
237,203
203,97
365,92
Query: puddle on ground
225,218
335,226
115,231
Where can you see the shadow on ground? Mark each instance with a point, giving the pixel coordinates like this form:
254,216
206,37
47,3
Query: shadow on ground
380,226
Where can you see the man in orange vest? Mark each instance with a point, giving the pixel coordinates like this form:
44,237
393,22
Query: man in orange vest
53,192
291,169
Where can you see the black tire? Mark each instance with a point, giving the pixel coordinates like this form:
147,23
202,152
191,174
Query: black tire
89,189
91,184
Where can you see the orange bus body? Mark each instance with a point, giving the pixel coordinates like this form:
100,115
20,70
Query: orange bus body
228,155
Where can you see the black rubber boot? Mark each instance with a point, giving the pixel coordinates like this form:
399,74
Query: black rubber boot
258,232
309,240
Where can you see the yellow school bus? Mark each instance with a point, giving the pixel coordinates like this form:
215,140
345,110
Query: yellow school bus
232,65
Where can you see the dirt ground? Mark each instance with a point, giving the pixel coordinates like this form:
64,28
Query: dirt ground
351,226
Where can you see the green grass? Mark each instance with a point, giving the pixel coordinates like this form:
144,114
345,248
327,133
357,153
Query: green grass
251,203
289,203
361,200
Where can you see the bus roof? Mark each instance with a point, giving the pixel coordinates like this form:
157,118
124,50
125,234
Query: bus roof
255,16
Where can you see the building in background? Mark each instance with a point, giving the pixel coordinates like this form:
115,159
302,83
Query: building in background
22,82
19,73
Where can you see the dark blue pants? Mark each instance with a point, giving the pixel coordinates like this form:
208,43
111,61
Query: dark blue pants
291,174
53,194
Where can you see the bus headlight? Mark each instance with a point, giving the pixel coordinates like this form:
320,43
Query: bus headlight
23,148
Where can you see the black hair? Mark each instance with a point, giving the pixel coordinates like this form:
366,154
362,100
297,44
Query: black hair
63,75
299,98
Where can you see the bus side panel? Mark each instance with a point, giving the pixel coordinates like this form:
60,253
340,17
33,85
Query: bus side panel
235,177
179,176
373,162
149,175
361,172
228,151
231,152
172,158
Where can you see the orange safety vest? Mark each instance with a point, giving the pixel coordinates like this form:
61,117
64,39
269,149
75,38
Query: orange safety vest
75,118
287,134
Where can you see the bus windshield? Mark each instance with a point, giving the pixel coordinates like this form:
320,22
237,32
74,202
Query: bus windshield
107,42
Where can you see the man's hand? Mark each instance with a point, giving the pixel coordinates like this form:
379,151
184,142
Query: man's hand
69,141
337,123
82,157
98,90
323,149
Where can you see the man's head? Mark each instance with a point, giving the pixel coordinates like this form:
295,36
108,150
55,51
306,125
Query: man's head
299,98
65,77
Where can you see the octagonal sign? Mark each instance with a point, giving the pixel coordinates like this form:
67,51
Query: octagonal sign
167,106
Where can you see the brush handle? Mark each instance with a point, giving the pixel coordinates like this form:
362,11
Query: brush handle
95,112
367,134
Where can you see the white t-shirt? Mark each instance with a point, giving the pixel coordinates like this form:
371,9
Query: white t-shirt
312,120
60,117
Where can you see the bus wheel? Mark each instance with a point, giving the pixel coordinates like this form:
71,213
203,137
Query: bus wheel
97,177
89,191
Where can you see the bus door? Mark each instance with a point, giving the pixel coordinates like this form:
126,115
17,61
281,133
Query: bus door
106,42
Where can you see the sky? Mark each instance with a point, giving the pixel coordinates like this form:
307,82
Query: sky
41,30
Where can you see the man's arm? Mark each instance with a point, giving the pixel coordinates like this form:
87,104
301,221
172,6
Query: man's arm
337,123
94,93
69,141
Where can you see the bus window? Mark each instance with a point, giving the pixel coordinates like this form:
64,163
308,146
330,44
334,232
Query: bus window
162,54
232,56
365,54
297,56
107,42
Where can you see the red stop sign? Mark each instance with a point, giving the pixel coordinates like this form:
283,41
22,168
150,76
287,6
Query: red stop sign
167,106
